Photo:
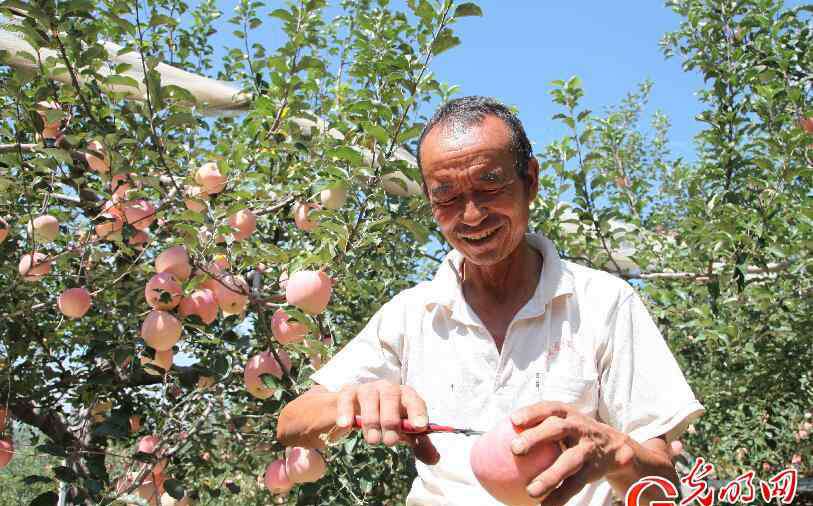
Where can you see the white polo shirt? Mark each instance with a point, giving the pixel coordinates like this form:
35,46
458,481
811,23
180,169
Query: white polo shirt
584,338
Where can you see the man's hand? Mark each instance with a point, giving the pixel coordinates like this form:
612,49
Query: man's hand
593,450
382,405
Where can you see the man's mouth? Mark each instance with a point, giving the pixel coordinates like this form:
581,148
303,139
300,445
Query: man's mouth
478,237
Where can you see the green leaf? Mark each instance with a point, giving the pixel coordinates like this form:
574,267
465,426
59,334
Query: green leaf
162,19
445,40
377,132
176,92
347,154
410,134
283,15
468,9
119,80
270,381
417,230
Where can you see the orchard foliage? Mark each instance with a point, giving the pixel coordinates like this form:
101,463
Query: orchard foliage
721,243
128,180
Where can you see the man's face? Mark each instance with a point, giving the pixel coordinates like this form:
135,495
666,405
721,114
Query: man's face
478,200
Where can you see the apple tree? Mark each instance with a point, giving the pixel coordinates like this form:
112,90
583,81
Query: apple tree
170,241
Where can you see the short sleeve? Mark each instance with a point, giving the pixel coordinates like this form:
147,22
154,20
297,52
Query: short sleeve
374,354
643,391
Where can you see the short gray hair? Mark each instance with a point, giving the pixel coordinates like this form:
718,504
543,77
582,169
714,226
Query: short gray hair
468,111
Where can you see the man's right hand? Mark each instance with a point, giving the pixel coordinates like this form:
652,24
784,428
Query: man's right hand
382,405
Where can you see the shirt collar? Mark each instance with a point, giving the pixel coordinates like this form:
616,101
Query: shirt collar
556,280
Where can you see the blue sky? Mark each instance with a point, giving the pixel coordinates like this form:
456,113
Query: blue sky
518,47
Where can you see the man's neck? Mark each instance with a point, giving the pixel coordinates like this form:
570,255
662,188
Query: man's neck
512,280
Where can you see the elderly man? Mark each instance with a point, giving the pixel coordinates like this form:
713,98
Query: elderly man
506,327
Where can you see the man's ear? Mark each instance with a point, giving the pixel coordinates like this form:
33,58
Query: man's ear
533,178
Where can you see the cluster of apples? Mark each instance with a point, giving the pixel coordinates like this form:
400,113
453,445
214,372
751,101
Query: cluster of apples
42,229
223,291
210,181
6,444
309,291
73,302
300,465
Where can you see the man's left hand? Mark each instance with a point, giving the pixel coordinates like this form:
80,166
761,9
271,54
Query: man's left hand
592,450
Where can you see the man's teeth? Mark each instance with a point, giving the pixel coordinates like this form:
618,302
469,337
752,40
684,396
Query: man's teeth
477,237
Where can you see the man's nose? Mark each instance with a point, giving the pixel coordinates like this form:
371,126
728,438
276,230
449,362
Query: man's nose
473,213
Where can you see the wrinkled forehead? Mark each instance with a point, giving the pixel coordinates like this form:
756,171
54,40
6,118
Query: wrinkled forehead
457,140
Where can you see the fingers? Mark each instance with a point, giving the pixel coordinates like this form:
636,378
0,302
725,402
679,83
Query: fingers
568,464
346,407
390,413
381,406
415,407
569,488
368,399
552,430
536,413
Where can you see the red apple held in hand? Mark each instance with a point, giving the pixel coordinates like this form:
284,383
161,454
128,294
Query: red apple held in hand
74,302
163,291
309,291
276,478
504,475
161,330
264,363
34,267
